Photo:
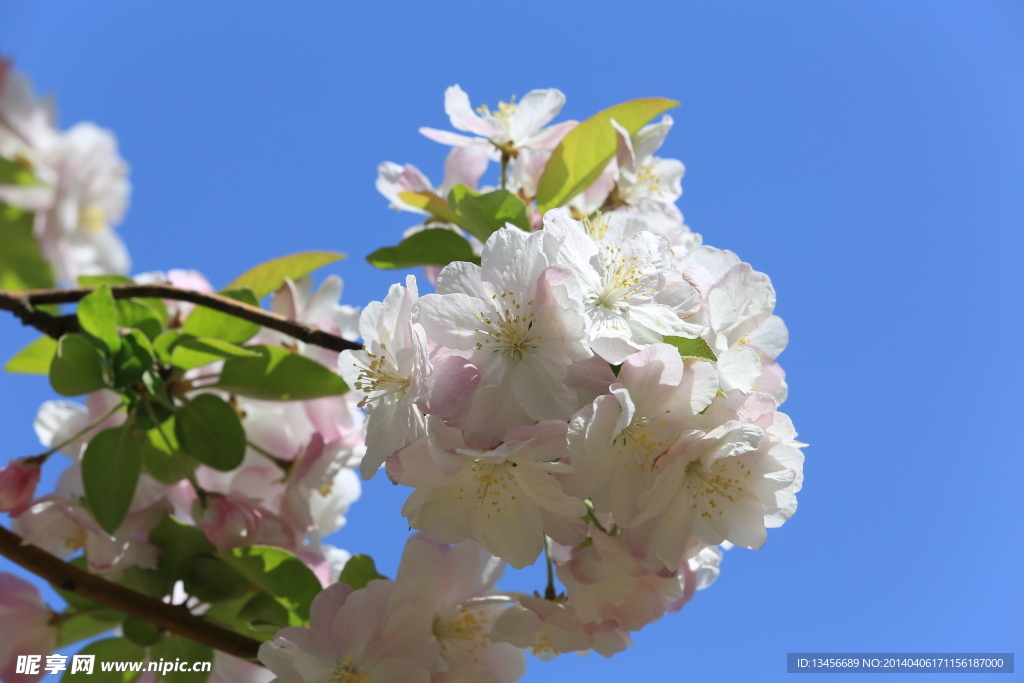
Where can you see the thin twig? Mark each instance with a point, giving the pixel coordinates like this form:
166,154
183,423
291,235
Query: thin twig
23,303
172,618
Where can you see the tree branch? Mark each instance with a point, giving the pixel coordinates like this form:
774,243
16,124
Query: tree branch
172,618
23,303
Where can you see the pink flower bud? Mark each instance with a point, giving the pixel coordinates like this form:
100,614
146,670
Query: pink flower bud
17,486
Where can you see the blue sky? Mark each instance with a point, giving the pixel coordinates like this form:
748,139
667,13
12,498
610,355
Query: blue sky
868,156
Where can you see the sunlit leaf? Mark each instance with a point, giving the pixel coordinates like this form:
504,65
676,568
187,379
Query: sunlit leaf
431,247
268,277
583,154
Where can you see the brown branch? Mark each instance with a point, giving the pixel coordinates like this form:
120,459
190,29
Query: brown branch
23,303
172,618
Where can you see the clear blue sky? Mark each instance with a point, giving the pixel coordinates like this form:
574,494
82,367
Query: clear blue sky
869,156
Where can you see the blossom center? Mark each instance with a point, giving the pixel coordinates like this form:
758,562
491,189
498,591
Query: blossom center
464,630
644,440
504,112
76,541
92,219
624,278
381,378
495,484
708,487
508,330
348,672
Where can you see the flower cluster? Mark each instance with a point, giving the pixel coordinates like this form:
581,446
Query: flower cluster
586,382
601,387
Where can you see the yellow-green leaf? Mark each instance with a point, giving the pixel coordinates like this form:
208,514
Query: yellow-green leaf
268,277
432,204
35,358
279,375
432,247
583,154
692,349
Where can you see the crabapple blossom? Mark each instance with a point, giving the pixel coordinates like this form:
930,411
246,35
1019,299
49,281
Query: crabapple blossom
61,524
548,628
519,316
459,582
354,638
504,498
27,627
738,304
233,521
514,126
605,582
297,301
390,373
726,484
617,442
621,275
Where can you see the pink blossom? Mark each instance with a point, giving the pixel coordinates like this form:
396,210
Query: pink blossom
459,583
353,636
549,628
27,627
604,582
233,521
61,524
505,498
18,481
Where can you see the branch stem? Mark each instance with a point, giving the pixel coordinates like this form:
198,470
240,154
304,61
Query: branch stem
23,305
172,618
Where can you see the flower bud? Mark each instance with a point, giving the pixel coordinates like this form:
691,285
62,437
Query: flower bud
17,486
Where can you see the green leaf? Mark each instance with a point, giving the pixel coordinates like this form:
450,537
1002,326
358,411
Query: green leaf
213,580
279,573
692,349
268,277
209,430
142,315
22,265
134,358
206,322
279,375
482,214
179,541
161,455
164,344
192,352
431,247
431,203
583,154
110,471
109,650
359,571
77,367
79,626
97,315
140,632
173,648
265,613
35,358
227,614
